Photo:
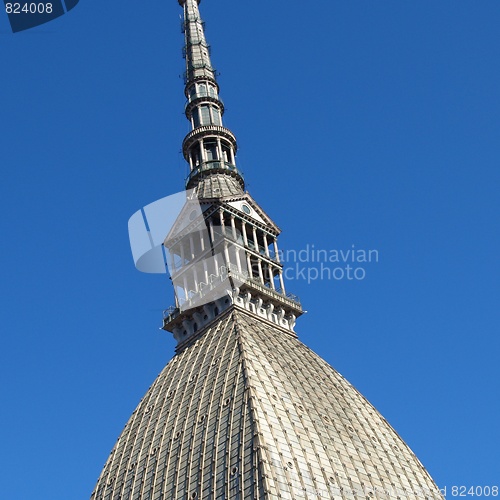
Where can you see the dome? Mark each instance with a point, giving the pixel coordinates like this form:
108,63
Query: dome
246,411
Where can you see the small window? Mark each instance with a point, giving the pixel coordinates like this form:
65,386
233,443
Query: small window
211,149
246,209
216,116
196,117
196,154
226,152
205,115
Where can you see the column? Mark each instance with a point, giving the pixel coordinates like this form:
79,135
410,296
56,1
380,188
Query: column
216,262
266,246
219,145
222,223
255,240
172,261
276,252
185,288
233,227
183,257
245,237
238,259
205,270
211,229
203,158
249,264
190,157
202,240
226,255
191,246
271,276
196,282
282,282
261,274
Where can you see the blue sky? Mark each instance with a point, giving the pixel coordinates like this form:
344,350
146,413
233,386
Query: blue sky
365,122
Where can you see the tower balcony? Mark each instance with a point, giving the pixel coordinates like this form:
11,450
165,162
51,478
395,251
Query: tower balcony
214,166
198,98
288,299
216,289
207,131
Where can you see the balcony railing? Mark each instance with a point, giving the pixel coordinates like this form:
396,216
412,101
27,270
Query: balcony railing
207,130
200,96
170,314
195,298
212,165
256,283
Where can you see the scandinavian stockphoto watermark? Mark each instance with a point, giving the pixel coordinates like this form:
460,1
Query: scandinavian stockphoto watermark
206,255
312,264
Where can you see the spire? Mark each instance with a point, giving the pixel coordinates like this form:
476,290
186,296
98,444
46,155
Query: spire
210,148
222,250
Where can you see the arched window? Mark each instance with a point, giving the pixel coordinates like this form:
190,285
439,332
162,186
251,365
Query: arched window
202,89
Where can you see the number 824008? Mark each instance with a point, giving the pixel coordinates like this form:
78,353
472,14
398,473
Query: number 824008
28,8
477,491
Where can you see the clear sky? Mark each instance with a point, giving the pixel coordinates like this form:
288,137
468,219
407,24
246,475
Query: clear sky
372,123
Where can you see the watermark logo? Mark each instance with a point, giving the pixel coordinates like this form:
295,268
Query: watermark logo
24,15
204,261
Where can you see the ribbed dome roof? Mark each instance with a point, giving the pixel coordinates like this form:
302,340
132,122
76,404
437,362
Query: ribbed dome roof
217,186
246,411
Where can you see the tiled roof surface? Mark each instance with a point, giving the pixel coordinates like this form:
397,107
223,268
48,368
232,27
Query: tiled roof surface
218,186
249,412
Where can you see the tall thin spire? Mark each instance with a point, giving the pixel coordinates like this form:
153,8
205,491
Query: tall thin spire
210,148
